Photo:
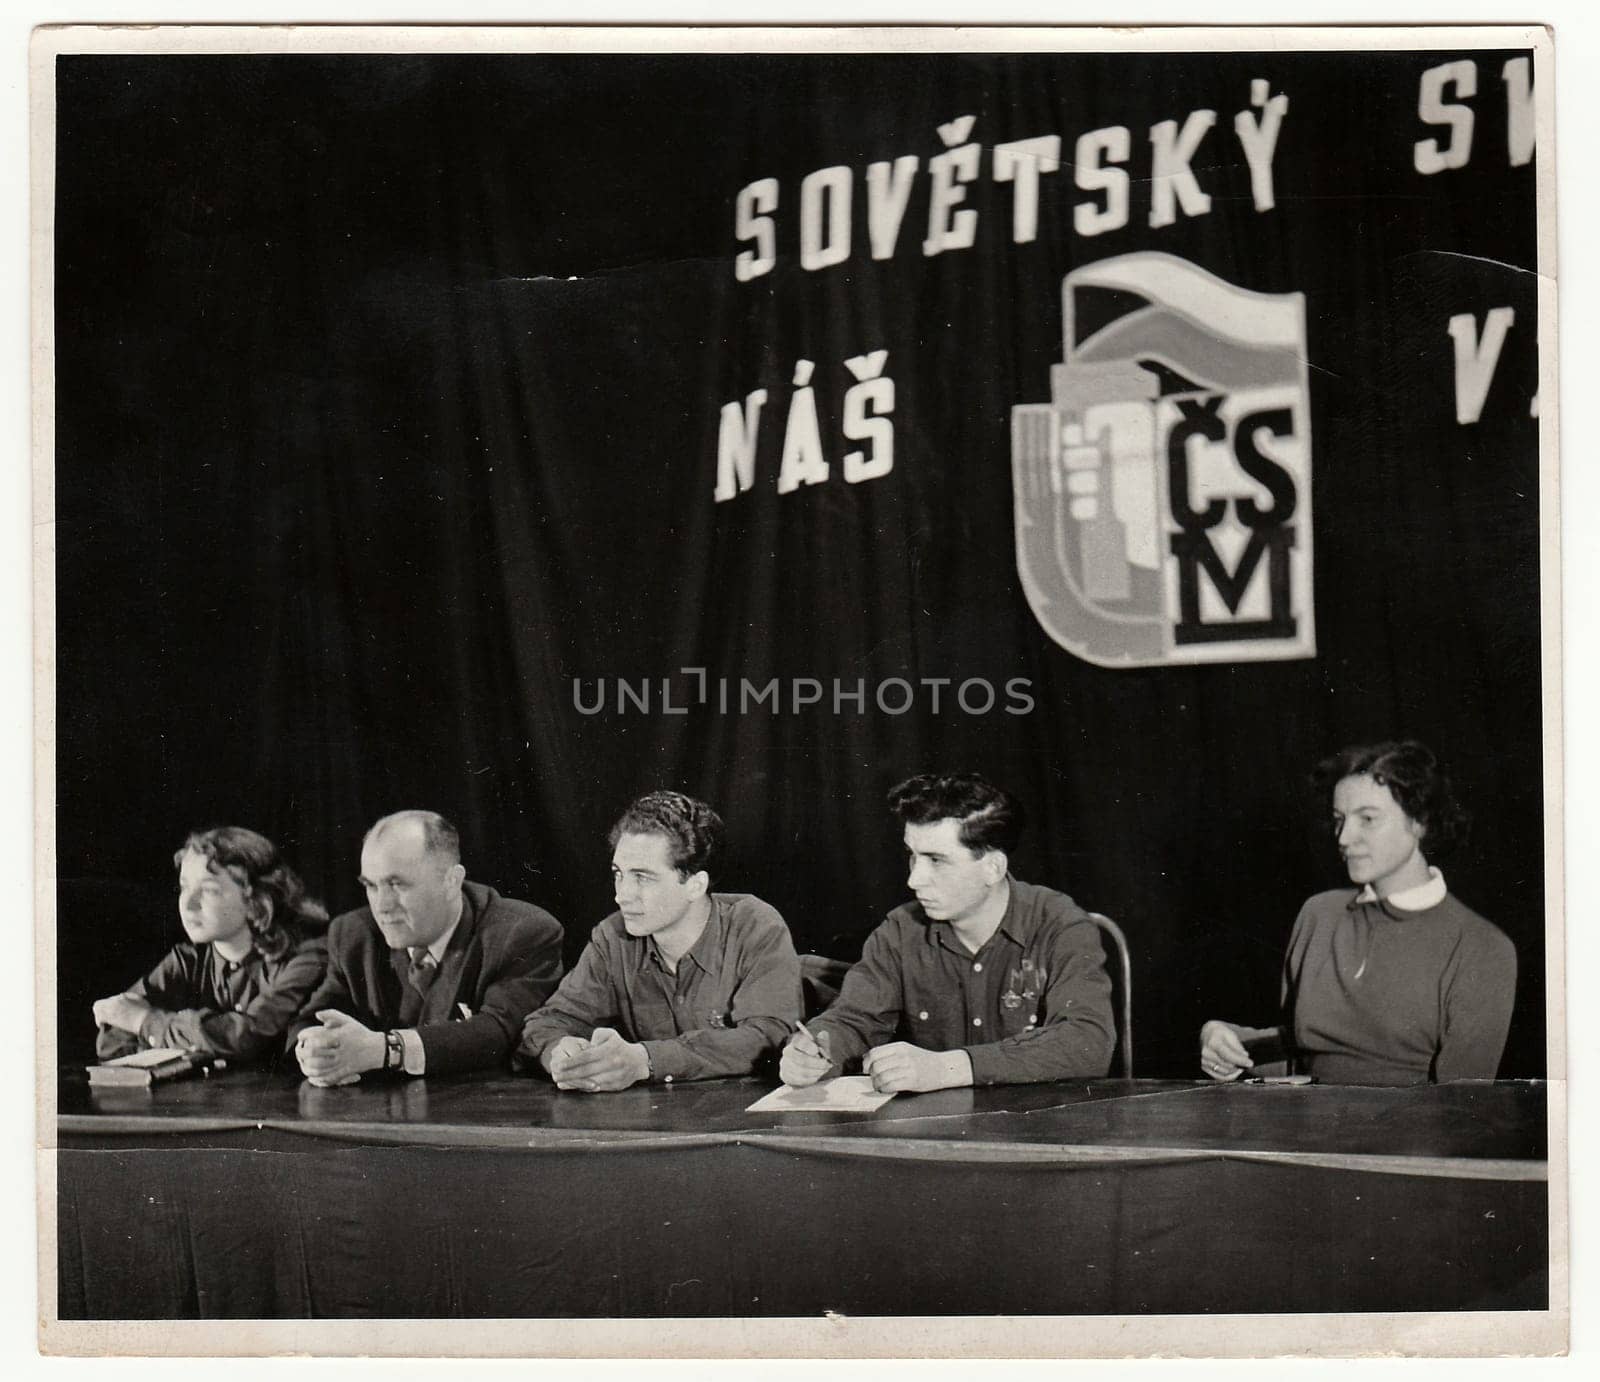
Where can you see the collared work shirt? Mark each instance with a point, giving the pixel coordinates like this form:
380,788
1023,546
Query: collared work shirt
237,1009
734,998
1033,1004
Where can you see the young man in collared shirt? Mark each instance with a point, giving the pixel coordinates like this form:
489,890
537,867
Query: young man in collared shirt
984,979
679,983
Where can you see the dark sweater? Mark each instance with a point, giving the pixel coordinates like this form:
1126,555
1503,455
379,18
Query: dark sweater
1373,994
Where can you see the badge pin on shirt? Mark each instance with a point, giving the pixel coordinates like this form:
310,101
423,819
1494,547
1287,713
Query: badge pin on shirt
1024,984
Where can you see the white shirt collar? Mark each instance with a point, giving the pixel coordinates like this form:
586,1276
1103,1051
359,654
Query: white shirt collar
1417,899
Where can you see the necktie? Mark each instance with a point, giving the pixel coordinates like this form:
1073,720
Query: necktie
424,968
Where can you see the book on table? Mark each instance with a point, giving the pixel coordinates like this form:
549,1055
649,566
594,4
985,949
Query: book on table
154,1066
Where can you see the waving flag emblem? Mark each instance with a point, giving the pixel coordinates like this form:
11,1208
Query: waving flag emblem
1163,495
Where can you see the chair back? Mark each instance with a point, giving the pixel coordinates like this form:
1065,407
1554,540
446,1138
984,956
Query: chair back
820,981
1124,983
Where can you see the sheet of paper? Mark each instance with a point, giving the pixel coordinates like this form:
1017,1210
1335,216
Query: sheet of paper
846,1094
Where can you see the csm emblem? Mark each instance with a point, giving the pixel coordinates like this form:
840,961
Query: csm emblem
1163,495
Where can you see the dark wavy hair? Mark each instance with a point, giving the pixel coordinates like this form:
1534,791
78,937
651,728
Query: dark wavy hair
1416,781
693,830
991,818
253,862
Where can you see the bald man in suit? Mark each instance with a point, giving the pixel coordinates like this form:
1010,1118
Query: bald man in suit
435,974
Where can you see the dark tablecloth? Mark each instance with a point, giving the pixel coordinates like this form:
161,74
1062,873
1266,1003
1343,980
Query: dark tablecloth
257,1196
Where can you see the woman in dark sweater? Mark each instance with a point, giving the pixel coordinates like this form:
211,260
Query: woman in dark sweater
255,952
1394,981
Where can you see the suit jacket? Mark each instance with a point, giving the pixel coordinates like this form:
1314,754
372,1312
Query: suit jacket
504,960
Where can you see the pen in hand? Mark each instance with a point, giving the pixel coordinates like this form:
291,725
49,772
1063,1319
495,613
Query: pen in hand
816,1041
806,1058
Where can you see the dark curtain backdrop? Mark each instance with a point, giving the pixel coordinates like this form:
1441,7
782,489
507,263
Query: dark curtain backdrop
387,405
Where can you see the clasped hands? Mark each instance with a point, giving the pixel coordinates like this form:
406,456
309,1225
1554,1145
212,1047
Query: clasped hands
897,1068
338,1051
602,1063
122,1011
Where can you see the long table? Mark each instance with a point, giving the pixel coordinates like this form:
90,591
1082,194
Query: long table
255,1195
